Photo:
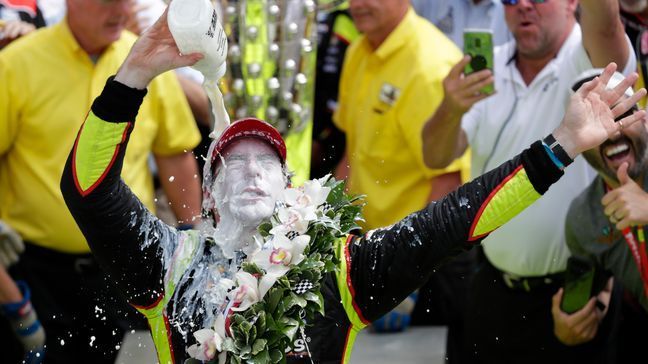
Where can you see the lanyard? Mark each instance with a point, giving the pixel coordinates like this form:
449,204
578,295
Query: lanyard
638,249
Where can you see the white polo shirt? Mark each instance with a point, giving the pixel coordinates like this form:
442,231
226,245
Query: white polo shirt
452,16
532,244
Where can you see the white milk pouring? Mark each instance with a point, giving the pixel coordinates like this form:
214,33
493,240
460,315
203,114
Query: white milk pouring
195,28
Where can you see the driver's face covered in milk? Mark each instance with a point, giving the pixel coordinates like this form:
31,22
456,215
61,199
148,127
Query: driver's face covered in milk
249,182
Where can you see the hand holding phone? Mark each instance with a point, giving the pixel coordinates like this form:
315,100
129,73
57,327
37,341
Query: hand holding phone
582,281
478,44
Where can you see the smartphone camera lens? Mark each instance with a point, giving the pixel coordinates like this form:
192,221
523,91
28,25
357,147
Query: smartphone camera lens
478,63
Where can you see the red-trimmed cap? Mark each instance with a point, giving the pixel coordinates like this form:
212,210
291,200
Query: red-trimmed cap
251,128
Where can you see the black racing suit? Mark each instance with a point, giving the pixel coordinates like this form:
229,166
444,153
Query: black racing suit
377,270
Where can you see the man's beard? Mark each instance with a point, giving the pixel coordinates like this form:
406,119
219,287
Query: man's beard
640,150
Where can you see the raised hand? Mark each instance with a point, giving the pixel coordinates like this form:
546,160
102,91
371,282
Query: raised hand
589,119
462,91
626,205
155,52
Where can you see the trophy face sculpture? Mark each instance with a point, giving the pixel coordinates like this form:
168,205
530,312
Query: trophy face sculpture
271,60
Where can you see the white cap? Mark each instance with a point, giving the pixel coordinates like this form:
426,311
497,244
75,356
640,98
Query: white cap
591,73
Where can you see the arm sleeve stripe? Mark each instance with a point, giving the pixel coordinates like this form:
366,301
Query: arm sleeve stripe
157,319
160,330
344,29
509,198
352,333
347,259
171,359
345,286
161,334
145,310
98,144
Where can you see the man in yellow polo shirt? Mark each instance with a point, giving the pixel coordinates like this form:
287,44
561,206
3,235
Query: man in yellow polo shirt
49,80
391,83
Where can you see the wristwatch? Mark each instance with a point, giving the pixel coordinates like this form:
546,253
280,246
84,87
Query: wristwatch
552,145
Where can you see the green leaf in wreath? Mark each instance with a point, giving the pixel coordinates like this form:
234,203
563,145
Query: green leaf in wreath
245,352
310,296
264,228
228,345
252,334
240,337
270,323
262,358
281,308
293,300
290,327
259,344
276,356
261,322
274,337
329,266
275,295
337,196
251,268
321,300
245,325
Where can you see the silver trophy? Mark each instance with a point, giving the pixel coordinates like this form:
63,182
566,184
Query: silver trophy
271,60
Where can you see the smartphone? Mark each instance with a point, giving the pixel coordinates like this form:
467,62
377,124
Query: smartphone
478,44
579,284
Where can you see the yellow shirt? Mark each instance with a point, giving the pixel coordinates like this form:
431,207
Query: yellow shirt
47,84
386,96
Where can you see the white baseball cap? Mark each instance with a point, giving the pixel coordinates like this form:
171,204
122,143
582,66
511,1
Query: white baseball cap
590,74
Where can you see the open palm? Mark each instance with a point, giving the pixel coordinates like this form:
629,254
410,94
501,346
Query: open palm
590,116
154,53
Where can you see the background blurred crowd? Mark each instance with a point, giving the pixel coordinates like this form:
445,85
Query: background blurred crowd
381,100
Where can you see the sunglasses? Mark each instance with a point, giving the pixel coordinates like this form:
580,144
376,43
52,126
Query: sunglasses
515,2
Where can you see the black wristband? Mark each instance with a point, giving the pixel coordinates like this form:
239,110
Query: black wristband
118,103
557,150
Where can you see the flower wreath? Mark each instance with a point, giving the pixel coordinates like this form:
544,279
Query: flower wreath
277,289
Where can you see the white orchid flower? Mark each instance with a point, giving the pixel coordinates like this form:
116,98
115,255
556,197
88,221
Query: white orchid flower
210,342
247,293
316,192
311,194
293,219
281,252
324,179
277,257
206,348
